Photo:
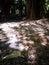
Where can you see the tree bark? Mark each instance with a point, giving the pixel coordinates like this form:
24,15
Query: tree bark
28,8
35,9
38,6
5,7
42,12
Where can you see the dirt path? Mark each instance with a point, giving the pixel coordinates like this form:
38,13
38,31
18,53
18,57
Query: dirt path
25,34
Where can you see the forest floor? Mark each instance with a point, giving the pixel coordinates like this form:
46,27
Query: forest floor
25,34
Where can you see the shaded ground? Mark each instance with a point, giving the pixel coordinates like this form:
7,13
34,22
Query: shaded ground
25,35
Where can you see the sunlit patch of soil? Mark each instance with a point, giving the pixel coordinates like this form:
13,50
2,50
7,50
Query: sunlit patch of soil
24,36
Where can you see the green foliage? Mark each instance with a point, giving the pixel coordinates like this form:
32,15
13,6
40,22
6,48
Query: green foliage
14,54
24,1
16,1
47,4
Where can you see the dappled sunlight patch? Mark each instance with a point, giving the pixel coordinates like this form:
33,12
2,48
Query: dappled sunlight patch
47,37
25,36
32,56
25,32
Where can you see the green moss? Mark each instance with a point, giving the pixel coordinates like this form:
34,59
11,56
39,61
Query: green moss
14,54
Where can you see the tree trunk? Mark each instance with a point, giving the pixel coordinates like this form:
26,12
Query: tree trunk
28,8
35,9
38,6
5,7
42,12
33,14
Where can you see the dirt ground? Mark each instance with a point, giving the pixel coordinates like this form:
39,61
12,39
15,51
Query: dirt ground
26,32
